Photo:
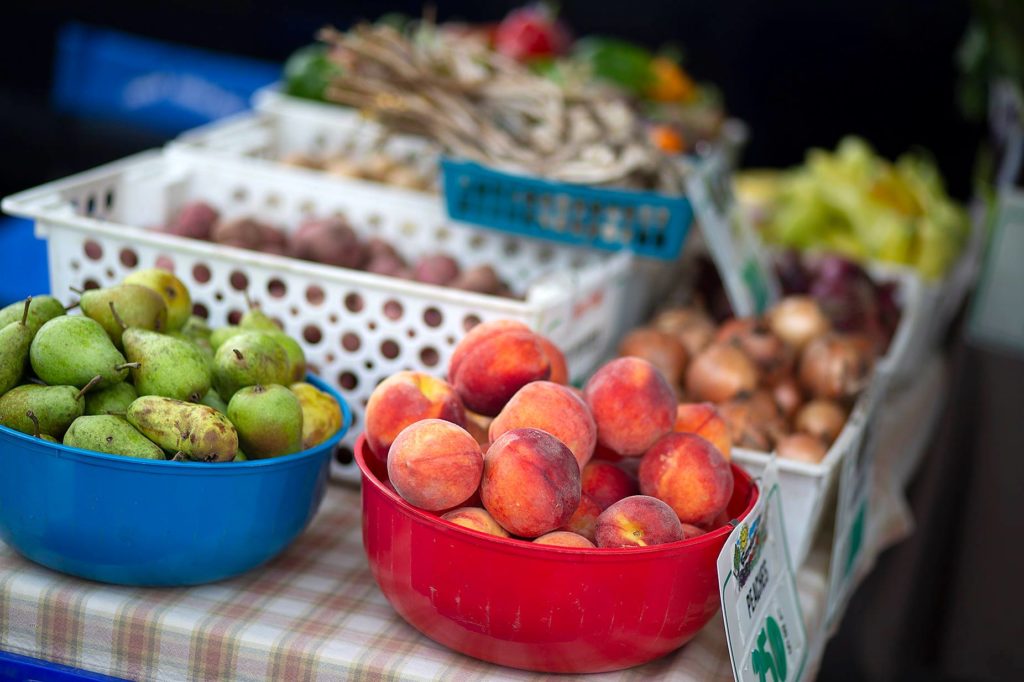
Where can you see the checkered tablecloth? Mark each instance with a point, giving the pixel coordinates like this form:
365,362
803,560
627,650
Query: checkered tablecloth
314,613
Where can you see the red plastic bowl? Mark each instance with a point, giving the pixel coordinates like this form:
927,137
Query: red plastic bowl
534,607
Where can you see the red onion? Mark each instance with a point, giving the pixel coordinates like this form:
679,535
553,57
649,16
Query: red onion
720,372
797,320
835,366
822,419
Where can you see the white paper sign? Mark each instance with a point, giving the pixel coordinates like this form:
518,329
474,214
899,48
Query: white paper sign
997,317
764,624
750,283
853,539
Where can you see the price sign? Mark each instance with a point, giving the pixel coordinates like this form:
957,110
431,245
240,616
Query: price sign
749,280
852,536
763,621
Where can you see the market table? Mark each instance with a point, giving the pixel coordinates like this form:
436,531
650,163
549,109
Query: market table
315,612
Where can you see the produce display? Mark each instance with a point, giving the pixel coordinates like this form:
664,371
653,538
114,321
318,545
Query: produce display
679,112
378,166
137,375
856,203
785,382
610,466
331,241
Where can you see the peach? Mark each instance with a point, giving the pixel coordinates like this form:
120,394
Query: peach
531,482
584,519
606,483
435,464
559,369
405,398
704,420
638,521
690,475
564,538
632,403
691,531
553,408
476,335
661,349
475,518
487,370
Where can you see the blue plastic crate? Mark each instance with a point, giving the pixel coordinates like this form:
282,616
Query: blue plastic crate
15,668
22,261
647,223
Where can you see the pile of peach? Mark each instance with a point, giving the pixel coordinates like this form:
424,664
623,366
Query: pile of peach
504,447
784,382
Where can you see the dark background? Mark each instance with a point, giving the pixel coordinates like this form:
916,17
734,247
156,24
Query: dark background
801,73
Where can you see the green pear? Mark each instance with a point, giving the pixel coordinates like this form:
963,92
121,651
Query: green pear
111,400
213,399
321,414
198,431
202,344
173,291
166,366
112,435
122,306
15,339
240,456
221,334
248,359
49,410
41,310
256,320
72,349
268,420
196,328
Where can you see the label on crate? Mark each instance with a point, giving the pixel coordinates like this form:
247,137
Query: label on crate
853,529
749,280
996,317
764,624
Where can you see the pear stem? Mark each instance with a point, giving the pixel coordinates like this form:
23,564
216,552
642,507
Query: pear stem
179,456
76,290
35,421
72,306
253,305
117,318
238,353
127,365
85,389
24,314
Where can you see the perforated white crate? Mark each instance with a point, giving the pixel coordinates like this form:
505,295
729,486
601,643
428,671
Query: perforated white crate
356,328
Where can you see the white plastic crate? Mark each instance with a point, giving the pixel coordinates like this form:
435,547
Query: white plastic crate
356,328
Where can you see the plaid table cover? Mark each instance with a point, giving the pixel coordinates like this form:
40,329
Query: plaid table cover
314,613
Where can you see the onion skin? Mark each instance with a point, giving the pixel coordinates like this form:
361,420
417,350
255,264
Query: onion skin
692,326
719,373
822,419
788,396
798,320
773,357
754,422
801,447
835,367
659,348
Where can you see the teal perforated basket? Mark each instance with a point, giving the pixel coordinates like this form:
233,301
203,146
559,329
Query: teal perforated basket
647,223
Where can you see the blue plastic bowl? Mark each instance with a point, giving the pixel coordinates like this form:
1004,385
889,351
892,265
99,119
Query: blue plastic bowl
147,522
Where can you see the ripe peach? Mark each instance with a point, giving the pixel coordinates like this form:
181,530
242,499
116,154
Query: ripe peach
531,482
487,370
435,464
704,420
559,369
632,403
689,474
477,334
691,531
606,483
553,408
563,538
661,349
475,518
584,520
638,521
405,398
